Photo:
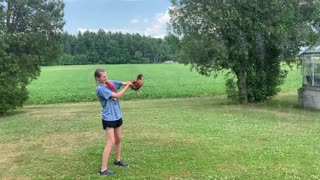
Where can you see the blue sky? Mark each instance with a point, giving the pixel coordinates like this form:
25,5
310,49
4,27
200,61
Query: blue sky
146,17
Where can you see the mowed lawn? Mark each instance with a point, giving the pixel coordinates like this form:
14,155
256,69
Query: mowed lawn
176,138
194,136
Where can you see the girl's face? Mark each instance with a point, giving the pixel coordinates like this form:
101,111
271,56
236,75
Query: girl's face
103,78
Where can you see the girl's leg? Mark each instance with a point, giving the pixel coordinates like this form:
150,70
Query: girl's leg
107,149
118,136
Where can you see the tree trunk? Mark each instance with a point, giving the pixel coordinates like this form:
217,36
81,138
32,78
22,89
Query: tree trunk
242,86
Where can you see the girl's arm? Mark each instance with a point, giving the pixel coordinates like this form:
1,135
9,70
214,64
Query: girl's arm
125,83
121,93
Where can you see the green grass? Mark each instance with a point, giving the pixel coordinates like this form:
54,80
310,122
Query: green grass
176,138
199,136
59,84
76,83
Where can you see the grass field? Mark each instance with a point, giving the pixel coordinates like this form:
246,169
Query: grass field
59,84
184,138
77,84
199,137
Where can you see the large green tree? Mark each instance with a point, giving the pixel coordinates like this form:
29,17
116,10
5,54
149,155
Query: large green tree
30,35
248,37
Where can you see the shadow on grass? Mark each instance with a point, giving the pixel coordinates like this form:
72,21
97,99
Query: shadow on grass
287,102
282,102
13,113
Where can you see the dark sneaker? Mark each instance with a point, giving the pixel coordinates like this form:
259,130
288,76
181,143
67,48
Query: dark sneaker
106,172
120,163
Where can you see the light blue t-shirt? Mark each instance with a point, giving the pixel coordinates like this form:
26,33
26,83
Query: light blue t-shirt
111,110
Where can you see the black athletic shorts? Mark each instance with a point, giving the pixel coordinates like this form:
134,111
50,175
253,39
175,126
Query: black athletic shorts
111,124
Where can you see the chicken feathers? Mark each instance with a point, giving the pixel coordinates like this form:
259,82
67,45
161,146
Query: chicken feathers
137,83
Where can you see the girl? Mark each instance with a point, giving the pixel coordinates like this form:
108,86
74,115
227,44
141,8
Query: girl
108,96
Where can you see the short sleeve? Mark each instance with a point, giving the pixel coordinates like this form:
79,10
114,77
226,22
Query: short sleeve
105,93
117,84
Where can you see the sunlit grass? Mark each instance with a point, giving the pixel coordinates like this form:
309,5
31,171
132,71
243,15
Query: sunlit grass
200,136
76,83
184,138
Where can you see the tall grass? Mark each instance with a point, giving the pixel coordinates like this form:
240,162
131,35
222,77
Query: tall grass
59,84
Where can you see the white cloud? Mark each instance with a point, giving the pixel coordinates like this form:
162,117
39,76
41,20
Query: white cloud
145,20
135,21
157,26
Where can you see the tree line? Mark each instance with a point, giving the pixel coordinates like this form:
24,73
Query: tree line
115,48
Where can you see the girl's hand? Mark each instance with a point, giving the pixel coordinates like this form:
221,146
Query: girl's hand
129,84
126,83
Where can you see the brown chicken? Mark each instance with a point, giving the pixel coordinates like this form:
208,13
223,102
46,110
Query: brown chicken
137,83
